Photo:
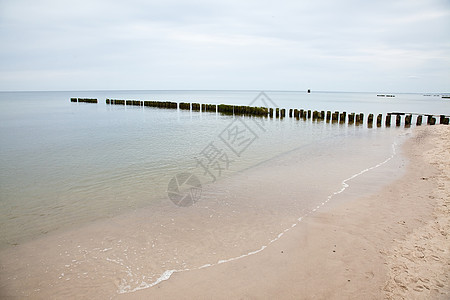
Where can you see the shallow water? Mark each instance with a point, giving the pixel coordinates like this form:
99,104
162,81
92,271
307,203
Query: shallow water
87,184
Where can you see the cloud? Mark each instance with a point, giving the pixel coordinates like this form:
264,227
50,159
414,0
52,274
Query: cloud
344,45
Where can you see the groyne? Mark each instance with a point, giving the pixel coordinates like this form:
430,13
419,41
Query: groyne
396,119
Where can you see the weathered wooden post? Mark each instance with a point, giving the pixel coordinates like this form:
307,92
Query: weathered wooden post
283,113
408,120
370,120
433,121
388,120
446,121
419,120
398,120
429,119
309,114
361,117
271,112
290,112
296,113
441,120
342,117
315,115
196,106
302,113
73,100
335,117
328,116
357,119
351,118
379,118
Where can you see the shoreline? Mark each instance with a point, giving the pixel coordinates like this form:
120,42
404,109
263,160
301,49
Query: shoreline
342,238
351,249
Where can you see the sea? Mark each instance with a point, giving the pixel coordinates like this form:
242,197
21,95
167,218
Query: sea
99,199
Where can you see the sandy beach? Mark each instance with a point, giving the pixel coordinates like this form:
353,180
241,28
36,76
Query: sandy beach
378,241
393,244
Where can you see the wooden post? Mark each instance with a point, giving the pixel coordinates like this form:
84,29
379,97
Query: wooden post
309,114
335,117
361,117
351,118
283,113
370,120
379,117
446,121
419,120
398,120
408,120
328,116
322,115
302,113
433,121
271,112
357,119
388,120
296,112
290,112
441,120
196,106
429,119
315,115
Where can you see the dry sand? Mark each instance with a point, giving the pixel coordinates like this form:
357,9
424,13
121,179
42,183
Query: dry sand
391,245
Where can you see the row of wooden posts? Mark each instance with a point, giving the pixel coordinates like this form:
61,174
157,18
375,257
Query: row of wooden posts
86,100
328,116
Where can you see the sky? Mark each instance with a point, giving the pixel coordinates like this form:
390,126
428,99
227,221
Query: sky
322,45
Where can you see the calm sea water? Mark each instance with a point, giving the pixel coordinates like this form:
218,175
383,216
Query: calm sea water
88,182
63,164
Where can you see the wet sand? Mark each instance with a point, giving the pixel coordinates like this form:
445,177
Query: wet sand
393,244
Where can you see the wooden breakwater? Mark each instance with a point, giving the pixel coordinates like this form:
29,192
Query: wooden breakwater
396,119
160,104
85,100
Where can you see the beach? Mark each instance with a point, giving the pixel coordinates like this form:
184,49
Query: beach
357,214
390,245
224,150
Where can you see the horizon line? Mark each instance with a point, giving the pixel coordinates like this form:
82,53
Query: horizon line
214,90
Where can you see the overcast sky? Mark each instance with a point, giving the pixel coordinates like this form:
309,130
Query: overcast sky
327,45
